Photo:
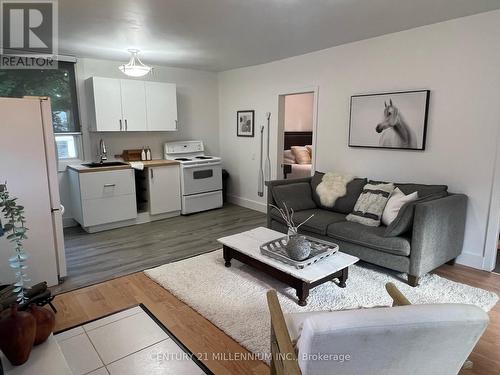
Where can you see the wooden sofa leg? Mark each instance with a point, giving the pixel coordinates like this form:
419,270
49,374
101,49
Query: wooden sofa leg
413,280
452,262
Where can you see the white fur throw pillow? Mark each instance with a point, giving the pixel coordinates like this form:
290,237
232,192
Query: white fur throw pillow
394,204
332,186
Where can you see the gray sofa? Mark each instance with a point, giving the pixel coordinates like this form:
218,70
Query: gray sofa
426,233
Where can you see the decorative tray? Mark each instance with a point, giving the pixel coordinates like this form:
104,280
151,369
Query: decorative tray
319,250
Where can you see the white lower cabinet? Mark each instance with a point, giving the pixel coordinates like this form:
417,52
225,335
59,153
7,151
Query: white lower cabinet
102,197
163,189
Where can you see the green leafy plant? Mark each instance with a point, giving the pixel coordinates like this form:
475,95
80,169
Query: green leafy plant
15,230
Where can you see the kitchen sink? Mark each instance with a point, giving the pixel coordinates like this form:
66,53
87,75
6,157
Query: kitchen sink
104,164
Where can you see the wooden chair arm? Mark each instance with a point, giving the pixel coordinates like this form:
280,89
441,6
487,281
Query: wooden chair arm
284,359
398,298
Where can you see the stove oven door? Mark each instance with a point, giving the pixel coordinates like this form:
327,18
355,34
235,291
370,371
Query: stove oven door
201,178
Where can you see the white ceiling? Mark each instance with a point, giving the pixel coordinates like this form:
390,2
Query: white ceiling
224,34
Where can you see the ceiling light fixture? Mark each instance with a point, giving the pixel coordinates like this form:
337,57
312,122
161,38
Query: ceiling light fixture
135,67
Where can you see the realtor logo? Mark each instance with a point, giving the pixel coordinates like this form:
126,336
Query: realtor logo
28,30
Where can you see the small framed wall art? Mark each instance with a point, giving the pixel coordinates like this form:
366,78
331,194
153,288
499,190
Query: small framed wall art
245,126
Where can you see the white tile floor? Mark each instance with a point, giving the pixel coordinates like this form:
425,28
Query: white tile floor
125,343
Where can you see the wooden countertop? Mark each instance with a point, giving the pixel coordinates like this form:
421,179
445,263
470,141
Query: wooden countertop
80,168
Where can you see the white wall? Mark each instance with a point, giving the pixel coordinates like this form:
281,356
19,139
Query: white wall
197,103
299,112
457,60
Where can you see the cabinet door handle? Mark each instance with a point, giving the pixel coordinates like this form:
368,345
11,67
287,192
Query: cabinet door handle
120,124
151,173
126,125
176,125
109,185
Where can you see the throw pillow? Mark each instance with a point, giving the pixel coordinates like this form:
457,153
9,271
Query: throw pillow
370,205
394,204
288,157
404,221
301,155
310,149
345,204
333,186
296,196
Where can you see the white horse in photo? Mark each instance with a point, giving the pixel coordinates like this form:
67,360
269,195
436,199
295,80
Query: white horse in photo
395,131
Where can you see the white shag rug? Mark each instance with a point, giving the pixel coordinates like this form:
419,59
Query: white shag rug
234,299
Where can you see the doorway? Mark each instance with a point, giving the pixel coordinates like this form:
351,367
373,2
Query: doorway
296,134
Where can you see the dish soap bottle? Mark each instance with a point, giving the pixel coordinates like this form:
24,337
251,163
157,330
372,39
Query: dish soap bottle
143,154
148,153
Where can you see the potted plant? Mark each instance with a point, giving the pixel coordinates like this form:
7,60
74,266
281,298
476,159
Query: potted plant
18,329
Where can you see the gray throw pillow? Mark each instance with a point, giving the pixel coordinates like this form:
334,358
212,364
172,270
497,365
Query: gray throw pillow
297,196
345,204
422,189
370,205
404,221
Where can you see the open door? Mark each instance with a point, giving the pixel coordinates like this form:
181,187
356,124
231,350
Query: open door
296,134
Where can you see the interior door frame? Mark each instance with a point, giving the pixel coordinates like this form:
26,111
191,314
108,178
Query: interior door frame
493,219
281,125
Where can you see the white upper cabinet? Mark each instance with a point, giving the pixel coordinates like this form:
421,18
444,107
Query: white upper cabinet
161,103
131,105
107,103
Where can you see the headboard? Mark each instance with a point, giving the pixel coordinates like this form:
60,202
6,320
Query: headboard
297,139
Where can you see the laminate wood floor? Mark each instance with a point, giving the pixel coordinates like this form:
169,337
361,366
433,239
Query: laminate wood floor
217,350
97,257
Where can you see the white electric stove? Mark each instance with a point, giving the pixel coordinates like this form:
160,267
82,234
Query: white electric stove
201,176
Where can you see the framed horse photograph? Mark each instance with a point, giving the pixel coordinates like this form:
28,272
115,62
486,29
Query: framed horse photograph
396,120
245,123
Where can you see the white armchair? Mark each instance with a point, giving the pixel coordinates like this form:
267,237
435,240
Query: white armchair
411,339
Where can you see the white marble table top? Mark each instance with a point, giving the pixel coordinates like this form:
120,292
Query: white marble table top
249,243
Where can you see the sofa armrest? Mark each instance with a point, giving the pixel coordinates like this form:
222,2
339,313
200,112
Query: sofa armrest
270,199
438,233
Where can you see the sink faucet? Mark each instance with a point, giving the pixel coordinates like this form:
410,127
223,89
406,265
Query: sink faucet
102,152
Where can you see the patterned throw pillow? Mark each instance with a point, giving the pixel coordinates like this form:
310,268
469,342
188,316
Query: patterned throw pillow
371,203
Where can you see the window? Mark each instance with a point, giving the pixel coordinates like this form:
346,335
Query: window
58,84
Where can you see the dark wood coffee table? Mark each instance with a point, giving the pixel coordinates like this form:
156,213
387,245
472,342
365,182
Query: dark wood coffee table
245,247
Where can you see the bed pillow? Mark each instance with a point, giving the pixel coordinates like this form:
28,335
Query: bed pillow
288,157
394,204
345,204
310,149
370,205
301,154
297,196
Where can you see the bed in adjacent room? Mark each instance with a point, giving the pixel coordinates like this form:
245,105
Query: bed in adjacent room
297,155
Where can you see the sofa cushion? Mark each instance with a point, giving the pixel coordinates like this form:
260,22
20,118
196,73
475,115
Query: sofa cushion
317,224
372,237
422,189
345,204
404,221
297,196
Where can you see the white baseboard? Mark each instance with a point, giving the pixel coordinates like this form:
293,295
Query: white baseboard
248,203
471,260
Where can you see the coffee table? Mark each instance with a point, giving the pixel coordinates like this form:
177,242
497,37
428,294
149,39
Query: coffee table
245,247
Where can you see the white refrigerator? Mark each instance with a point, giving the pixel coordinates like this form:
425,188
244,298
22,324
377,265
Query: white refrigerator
28,163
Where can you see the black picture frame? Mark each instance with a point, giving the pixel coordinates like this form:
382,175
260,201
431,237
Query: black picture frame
243,132
425,115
